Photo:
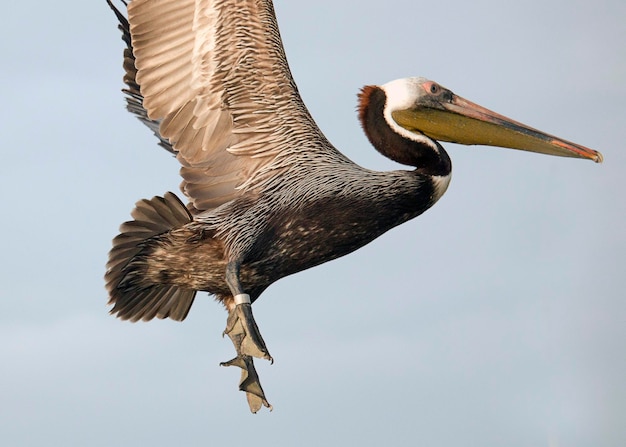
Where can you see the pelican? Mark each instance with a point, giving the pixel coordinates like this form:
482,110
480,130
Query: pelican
268,195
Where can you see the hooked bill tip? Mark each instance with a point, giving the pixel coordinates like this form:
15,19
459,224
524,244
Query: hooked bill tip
599,158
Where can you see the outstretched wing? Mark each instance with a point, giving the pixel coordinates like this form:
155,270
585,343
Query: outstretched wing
210,77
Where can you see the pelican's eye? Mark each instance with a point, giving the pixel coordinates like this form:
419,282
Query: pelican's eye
435,90
432,88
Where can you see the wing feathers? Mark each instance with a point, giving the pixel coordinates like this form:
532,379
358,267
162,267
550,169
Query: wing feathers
213,76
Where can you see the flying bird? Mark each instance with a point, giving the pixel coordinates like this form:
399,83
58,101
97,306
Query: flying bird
267,194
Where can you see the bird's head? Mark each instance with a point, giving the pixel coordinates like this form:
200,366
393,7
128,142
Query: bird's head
422,110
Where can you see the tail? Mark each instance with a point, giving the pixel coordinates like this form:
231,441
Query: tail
132,296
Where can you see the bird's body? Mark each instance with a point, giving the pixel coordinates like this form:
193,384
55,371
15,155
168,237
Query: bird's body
269,196
338,216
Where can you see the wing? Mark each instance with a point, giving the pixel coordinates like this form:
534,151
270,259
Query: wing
210,77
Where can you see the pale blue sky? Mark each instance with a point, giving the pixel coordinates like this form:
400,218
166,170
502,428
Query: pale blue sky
497,318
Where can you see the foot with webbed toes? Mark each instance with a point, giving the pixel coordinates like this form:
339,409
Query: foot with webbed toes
244,333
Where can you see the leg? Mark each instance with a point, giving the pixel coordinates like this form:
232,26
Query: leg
249,339
244,333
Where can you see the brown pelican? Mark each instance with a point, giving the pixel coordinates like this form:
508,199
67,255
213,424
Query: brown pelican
268,195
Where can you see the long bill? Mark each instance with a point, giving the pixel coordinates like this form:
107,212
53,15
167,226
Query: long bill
461,121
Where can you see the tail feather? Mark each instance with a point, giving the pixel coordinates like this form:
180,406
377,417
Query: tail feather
159,302
132,296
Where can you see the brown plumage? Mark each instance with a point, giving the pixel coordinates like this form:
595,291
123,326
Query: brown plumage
268,195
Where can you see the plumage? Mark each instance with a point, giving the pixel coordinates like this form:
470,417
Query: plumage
268,194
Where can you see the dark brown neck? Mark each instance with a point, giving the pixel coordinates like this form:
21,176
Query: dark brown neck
428,157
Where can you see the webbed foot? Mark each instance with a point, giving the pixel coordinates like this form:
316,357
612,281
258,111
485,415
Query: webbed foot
249,382
244,333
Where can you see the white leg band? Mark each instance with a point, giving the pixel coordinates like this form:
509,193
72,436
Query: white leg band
242,298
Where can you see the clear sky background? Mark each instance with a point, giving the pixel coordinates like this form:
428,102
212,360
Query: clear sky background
498,318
